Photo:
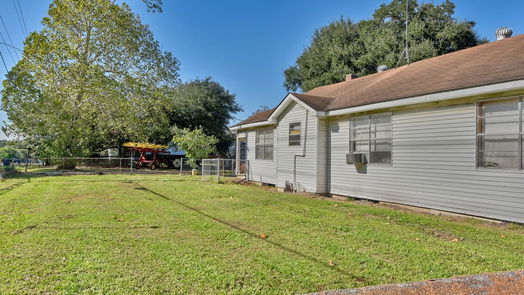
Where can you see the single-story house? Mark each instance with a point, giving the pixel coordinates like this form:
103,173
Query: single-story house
443,133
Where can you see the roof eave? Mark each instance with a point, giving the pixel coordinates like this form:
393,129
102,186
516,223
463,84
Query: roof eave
252,125
427,98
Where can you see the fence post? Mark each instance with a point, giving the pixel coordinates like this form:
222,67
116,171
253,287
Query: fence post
246,170
203,163
218,170
131,165
181,164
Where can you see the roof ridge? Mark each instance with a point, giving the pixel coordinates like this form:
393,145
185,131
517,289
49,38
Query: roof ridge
432,59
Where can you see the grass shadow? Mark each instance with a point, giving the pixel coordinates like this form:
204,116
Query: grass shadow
256,236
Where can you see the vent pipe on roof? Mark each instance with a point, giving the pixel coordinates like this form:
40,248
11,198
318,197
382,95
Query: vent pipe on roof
382,68
503,33
350,77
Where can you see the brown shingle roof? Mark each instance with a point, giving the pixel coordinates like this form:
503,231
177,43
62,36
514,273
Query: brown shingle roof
258,117
495,62
314,101
490,63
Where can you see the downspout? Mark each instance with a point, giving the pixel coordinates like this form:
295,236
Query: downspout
303,155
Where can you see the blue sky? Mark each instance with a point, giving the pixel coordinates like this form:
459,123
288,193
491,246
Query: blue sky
247,44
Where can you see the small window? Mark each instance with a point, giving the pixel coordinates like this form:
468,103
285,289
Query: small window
371,135
264,144
294,134
499,134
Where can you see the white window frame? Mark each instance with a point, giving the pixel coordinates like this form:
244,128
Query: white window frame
295,142
479,134
370,140
264,145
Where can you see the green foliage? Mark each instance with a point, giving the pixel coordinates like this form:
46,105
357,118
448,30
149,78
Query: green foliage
154,5
195,143
206,105
10,152
93,77
343,47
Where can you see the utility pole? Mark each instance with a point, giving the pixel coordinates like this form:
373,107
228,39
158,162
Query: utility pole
27,158
407,37
405,52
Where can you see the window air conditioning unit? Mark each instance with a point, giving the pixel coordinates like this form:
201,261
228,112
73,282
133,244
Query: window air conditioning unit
356,159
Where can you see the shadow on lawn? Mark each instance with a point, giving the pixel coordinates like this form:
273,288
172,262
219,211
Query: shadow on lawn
34,227
235,227
13,186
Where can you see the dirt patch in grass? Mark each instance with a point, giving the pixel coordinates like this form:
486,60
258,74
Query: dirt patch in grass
445,236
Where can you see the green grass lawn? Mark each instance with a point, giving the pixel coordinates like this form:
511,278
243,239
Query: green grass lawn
163,234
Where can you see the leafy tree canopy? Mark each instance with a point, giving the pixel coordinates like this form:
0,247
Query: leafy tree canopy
154,5
195,143
344,47
206,105
9,152
93,77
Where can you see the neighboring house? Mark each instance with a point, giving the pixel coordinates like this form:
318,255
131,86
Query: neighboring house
443,133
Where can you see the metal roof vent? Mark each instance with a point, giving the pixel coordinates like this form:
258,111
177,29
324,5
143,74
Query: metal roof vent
503,33
350,77
382,68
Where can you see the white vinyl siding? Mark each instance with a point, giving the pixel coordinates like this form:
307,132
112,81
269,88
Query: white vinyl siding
434,166
322,157
304,170
259,170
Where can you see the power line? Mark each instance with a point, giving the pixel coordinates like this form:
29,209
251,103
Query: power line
3,60
18,16
6,46
8,36
23,19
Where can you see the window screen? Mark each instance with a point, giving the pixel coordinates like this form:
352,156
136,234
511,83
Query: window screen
264,144
294,133
499,133
371,135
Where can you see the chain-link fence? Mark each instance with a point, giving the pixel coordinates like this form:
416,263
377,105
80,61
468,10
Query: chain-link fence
94,166
217,169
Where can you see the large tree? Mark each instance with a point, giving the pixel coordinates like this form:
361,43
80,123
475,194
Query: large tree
93,77
154,5
344,47
204,104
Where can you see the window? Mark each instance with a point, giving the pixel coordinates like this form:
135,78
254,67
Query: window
371,135
264,144
499,133
294,134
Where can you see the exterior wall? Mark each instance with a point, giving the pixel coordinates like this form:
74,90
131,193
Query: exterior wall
306,167
323,166
260,170
433,165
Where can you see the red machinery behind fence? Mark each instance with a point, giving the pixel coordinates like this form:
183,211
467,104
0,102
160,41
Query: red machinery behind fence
152,156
